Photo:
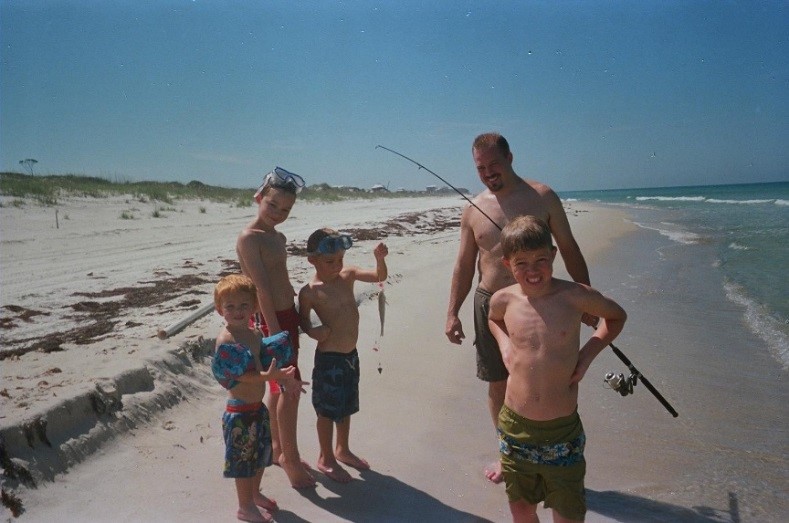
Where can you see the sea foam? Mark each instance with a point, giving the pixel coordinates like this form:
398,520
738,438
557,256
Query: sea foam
761,323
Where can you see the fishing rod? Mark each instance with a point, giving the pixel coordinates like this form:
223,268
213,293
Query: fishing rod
624,386
618,382
440,178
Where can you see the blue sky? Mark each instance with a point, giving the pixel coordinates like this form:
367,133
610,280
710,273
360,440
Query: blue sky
591,95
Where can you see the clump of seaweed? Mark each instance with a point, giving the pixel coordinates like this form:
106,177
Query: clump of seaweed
12,502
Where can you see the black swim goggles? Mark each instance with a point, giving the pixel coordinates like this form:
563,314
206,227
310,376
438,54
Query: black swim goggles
332,244
282,179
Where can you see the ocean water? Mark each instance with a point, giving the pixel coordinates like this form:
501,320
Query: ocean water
745,230
702,281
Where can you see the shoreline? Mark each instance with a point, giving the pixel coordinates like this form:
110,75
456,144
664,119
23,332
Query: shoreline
138,384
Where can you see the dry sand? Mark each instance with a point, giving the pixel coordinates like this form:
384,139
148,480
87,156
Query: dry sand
112,423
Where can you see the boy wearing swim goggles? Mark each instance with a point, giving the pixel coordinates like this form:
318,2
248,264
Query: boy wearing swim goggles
279,178
263,257
335,391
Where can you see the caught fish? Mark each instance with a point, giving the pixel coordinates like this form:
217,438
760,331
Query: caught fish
381,306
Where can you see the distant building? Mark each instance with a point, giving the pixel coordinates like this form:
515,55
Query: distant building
431,188
378,188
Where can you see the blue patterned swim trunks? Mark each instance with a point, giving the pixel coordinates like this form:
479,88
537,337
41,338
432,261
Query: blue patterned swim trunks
247,435
335,384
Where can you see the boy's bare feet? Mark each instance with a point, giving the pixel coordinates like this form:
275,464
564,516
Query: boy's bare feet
336,472
493,472
265,502
298,474
303,464
254,515
352,460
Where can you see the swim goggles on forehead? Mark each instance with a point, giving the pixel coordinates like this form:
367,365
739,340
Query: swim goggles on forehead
334,243
280,178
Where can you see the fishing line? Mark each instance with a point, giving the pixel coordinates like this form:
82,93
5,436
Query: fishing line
440,178
618,352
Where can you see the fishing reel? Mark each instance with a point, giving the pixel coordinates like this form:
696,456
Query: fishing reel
621,384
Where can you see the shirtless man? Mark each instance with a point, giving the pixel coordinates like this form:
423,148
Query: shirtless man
506,197
263,258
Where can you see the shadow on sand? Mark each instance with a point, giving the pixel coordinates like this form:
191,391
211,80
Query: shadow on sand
382,499
628,508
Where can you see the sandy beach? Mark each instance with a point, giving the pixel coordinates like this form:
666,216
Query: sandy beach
103,420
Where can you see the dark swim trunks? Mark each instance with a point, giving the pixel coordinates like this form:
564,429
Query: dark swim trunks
335,384
490,365
288,321
247,435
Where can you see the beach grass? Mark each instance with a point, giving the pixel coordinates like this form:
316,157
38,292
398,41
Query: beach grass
47,189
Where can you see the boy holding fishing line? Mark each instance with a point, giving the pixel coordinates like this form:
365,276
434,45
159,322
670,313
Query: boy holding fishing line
263,258
537,323
242,363
335,389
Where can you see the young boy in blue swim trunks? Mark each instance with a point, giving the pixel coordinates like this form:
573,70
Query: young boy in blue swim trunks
335,376
242,363
537,323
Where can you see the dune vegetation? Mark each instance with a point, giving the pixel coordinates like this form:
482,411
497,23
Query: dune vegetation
46,189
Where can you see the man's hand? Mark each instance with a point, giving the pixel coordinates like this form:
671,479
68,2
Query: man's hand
588,319
454,331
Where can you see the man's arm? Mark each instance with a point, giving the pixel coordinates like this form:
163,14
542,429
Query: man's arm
249,256
565,241
462,278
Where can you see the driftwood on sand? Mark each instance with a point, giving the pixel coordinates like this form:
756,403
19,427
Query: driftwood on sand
180,324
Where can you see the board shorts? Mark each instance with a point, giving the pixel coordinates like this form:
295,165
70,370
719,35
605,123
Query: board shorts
335,384
247,434
490,365
288,321
544,461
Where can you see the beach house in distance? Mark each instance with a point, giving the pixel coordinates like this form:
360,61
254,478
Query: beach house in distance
378,188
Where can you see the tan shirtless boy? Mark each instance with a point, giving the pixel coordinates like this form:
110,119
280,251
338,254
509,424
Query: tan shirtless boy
263,258
537,323
335,376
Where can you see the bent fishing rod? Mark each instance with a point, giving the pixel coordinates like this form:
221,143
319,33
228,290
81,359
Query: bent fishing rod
618,382
443,180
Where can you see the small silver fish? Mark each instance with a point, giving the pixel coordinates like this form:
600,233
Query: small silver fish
381,306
